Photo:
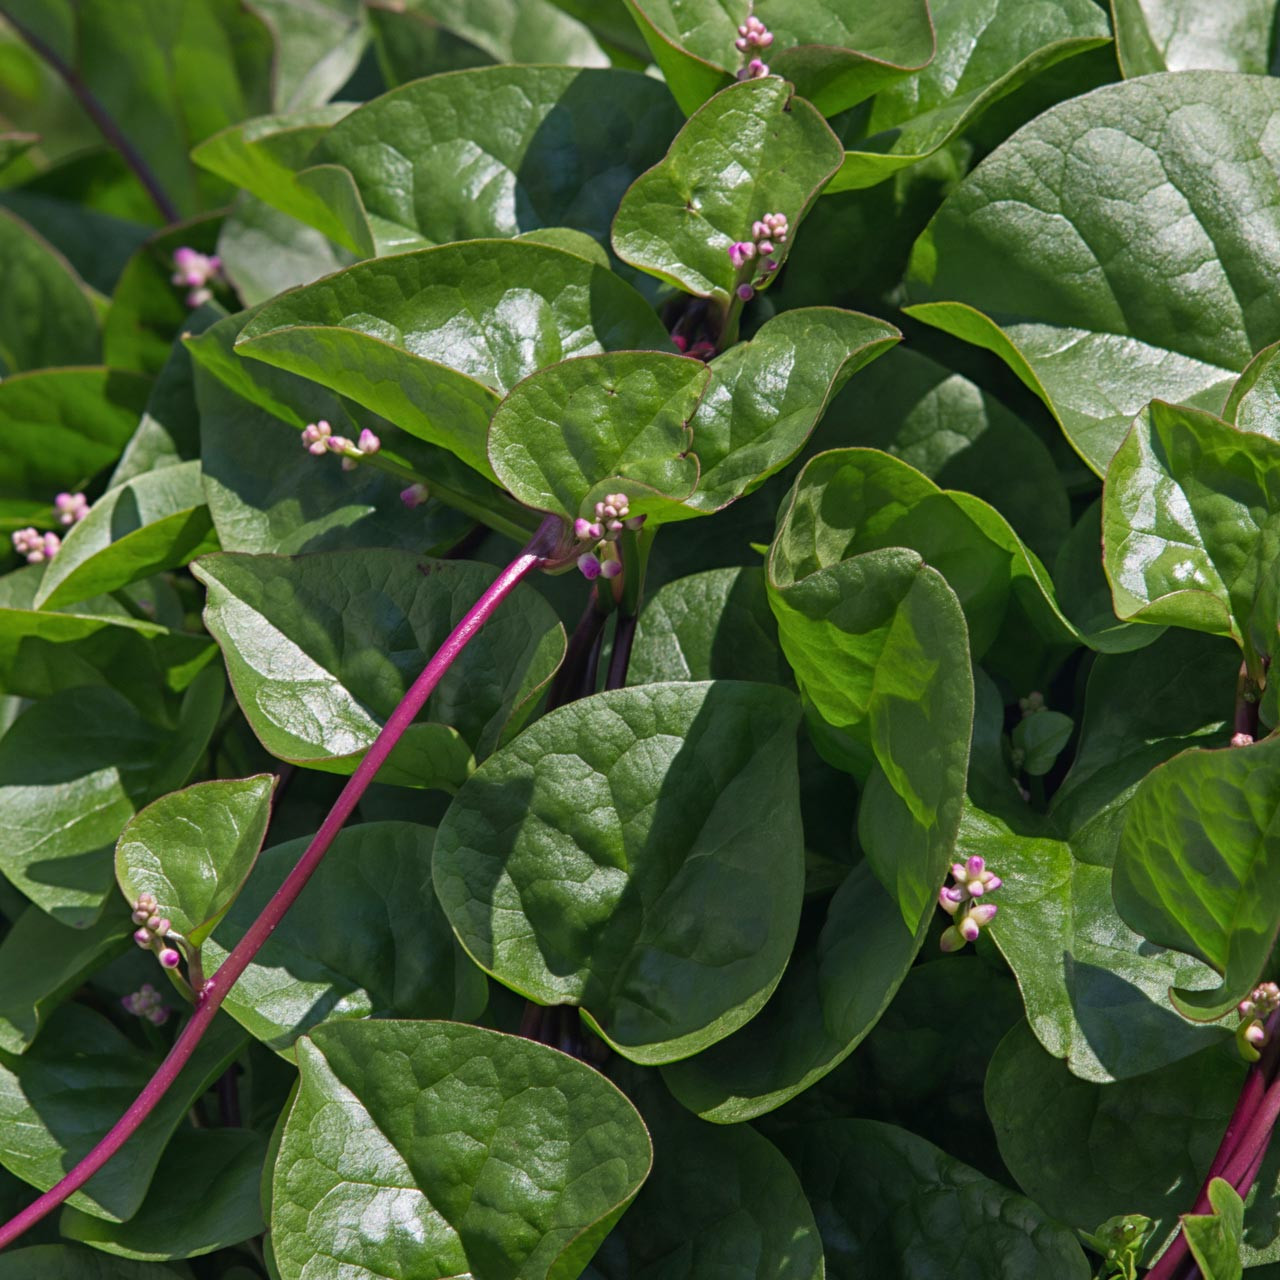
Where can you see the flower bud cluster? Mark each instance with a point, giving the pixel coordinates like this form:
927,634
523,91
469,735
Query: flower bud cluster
766,234
753,37
318,438
963,899
35,546
153,930
196,272
147,1003
1254,1011
71,508
612,516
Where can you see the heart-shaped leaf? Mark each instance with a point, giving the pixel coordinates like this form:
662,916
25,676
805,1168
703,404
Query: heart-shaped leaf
316,696
367,940
1187,35
1068,251
382,1138
677,226
576,864
430,339
1196,868
192,850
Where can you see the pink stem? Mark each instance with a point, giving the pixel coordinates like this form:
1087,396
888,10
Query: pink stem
540,546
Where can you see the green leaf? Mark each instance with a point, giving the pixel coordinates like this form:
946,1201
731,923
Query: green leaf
569,434
836,55
1068,251
1254,402
49,317
891,1205
380,1140
192,850
709,626
525,147
42,962
73,769
1215,1237
318,47
989,52
576,864
1196,868
65,1262
13,144
316,696
367,940
1086,1151
678,226
1040,738
207,1199
72,1085
1189,526
1188,35
1095,991
833,992
429,339
157,521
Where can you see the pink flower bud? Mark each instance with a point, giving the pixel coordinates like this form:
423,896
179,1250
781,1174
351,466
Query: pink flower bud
415,495
582,528
746,292
610,568
634,522
680,342
969,928
170,958
140,916
741,252
71,508
368,442
949,900
1256,1034
983,913
142,937
1241,740
589,566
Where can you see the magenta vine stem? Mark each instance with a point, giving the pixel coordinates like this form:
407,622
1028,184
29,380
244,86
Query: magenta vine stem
539,549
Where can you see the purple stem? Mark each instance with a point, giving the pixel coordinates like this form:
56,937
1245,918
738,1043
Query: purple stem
624,635
540,547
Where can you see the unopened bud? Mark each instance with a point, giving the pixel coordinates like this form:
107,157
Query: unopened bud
170,958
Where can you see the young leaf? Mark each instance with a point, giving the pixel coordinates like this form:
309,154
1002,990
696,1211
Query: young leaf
1052,240
316,695
1187,35
192,850
379,1139
1215,1237
1196,868
158,521
367,940
575,865
677,226
1040,738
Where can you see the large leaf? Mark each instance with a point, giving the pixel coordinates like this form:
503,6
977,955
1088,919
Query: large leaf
430,339
316,696
157,521
192,850
381,1156
367,940
66,1262
891,1205
1074,251
576,865
1197,866
1188,35
989,52
676,225
524,147
207,1199
72,1085
1096,993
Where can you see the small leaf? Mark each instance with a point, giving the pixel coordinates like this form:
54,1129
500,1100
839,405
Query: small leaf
158,521
678,226
367,940
575,865
1196,869
1215,1238
1041,738
192,850
1254,402
379,1139
316,696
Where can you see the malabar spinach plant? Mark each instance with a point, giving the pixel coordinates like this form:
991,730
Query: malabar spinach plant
637,639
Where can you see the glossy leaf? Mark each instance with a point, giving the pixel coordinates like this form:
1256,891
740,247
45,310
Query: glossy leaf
1254,402
890,1204
379,1139
1070,251
1196,866
71,1086
315,695
368,940
1096,992
430,339
988,53
1187,35
207,1199
192,850
570,434
158,521
677,226
318,47
576,865
526,147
